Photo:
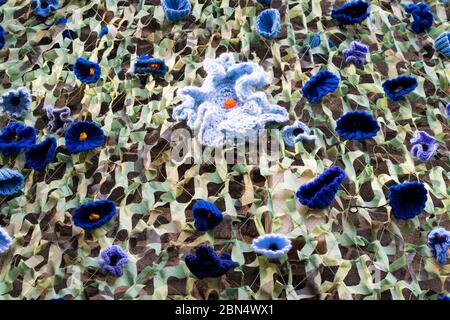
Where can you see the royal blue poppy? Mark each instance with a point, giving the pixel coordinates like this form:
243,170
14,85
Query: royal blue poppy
11,181
407,199
15,137
297,132
83,136
43,8
205,263
352,12
94,214
357,125
206,215
273,246
422,15
2,37
268,23
16,103
442,43
176,10
148,65
424,146
87,71
112,261
319,85
59,119
40,155
5,240
356,54
439,244
398,87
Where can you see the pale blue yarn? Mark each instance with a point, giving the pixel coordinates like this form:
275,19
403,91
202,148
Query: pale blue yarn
11,181
291,139
203,107
5,240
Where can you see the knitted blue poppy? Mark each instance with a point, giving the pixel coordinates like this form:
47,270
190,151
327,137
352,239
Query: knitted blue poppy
59,119
43,8
112,261
407,199
356,53
273,246
11,181
176,10
297,132
86,71
40,155
442,43
422,15
205,263
16,103
15,137
424,146
357,125
268,23
319,85
149,65
398,87
439,244
5,240
2,37
104,31
352,12
93,215
320,192
206,215
265,2
83,136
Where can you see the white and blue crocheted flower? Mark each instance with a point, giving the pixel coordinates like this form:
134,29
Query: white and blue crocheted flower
228,106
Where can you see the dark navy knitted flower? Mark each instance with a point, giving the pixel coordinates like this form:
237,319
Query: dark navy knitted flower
176,10
268,23
206,264
112,261
442,43
86,71
40,155
439,244
398,87
422,15
59,119
15,137
356,54
2,37
320,192
93,215
424,146
206,215
11,181
149,65
272,245
83,136
357,125
352,12
43,8
319,85
407,199
5,240
265,2
16,103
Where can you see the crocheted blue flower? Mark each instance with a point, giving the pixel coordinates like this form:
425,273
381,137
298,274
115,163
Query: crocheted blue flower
16,103
352,12
398,87
439,244
407,199
149,65
297,132
314,40
40,155
2,37
59,119
268,23
11,181
104,31
112,261
205,263
15,137
5,240
86,71
320,192
273,246
422,15
424,146
356,54
442,43
93,215
319,85
265,2
176,10
83,136
43,8
357,125
228,104
206,215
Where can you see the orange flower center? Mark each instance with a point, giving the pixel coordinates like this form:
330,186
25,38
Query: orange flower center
91,71
94,216
153,65
83,136
209,215
230,103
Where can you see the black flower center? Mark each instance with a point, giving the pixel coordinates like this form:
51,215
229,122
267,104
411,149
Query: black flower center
44,4
424,147
113,259
205,213
273,247
15,101
298,131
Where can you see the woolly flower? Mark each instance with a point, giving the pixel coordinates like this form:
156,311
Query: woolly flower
320,192
86,71
424,146
268,23
2,38
93,215
442,43
273,246
83,136
59,119
40,155
319,85
352,12
356,53
149,65
205,263
176,10
11,181
16,103
112,261
206,215
439,244
422,15
15,137
398,87
5,240
407,199
357,125
43,8
228,104
297,132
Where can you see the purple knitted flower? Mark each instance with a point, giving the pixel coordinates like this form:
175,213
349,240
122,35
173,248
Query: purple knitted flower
356,53
424,146
439,244
112,261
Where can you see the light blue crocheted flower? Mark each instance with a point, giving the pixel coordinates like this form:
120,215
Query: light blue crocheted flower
5,240
272,245
297,132
442,43
16,103
226,107
268,23
11,181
